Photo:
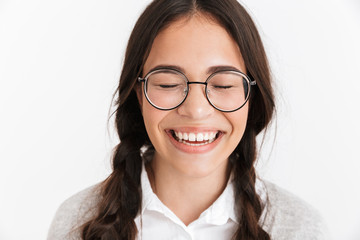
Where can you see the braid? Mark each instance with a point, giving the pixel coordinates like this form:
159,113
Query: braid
121,192
247,201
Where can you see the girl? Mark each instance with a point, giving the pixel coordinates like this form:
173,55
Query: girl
194,93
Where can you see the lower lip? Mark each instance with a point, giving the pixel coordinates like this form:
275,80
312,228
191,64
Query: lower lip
194,149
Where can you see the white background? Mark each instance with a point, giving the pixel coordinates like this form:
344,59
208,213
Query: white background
59,65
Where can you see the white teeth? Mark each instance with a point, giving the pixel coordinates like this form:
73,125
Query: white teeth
199,137
206,137
196,137
192,137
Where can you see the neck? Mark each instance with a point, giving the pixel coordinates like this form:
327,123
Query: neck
187,196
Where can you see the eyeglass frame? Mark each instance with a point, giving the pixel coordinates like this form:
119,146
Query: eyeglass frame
145,79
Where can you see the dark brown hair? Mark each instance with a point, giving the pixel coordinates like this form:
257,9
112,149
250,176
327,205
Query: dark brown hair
121,196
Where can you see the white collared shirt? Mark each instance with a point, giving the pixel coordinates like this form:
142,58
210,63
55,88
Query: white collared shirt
157,221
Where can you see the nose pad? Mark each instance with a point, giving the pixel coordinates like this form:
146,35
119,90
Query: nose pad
196,105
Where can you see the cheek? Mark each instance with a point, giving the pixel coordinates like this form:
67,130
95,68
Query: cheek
152,119
238,121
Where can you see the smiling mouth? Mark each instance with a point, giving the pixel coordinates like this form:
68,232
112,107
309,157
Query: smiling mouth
195,139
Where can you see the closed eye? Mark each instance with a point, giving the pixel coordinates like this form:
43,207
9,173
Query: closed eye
168,86
222,87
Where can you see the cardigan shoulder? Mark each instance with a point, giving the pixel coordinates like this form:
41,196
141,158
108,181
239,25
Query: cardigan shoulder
287,217
73,213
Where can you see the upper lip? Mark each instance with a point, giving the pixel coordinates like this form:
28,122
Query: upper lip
194,129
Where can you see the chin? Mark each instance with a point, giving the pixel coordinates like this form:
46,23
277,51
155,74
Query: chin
200,168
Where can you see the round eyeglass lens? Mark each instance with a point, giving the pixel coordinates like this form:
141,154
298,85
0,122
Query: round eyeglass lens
228,90
166,89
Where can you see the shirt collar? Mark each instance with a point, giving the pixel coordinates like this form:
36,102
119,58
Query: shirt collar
147,192
218,213
223,208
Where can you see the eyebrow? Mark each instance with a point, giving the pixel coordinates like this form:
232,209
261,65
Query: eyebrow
210,70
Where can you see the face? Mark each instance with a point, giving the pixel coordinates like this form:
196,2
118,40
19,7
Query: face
196,45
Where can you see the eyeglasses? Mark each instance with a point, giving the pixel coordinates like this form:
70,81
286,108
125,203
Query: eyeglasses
225,90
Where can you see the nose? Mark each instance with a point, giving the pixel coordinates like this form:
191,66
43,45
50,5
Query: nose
196,105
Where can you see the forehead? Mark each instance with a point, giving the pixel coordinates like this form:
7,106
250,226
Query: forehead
196,41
